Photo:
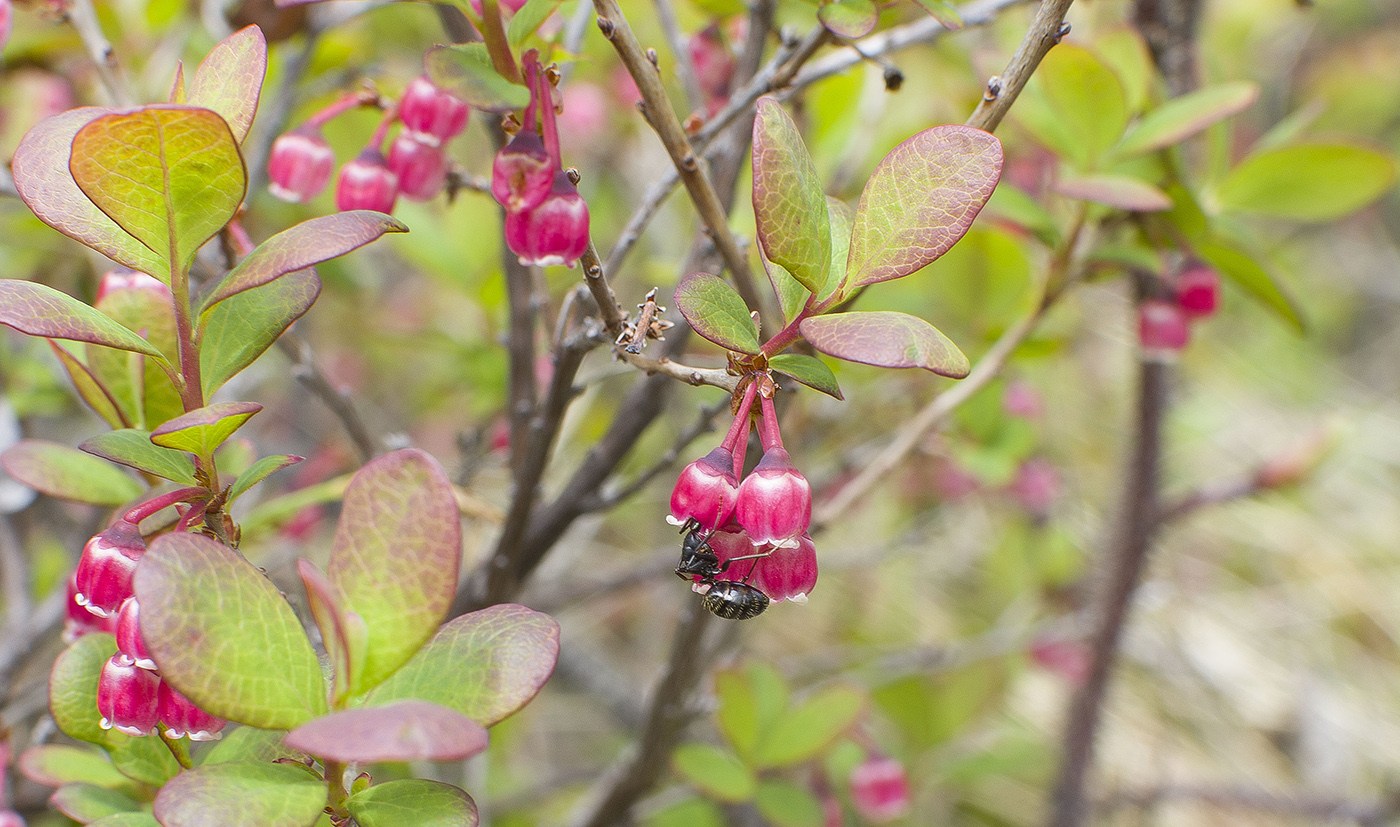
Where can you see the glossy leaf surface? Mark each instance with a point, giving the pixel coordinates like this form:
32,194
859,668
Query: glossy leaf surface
715,311
67,473
147,396
134,449
239,329
413,802
202,431
887,340
402,731
229,80
243,794
808,370
788,203
40,310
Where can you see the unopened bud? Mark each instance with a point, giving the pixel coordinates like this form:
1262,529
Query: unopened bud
1198,291
367,183
880,789
126,697
435,114
1162,329
421,167
555,232
103,578
129,642
300,165
181,717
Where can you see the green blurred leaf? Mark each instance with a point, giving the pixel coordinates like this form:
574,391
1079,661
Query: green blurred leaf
246,743
804,731
737,715
73,687
466,71
1118,191
849,19
97,395
40,310
715,311
54,765
145,392
69,474
842,218
242,794
714,771
808,370
1124,51
237,330
1088,98
254,666
945,13
413,802
85,803
788,203
1308,182
141,819
1188,115
277,510
229,80
787,805
134,449
1014,205
1243,268
692,812
202,431
792,296
887,340
528,20
259,471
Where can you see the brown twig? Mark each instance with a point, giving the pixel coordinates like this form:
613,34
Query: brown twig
596,278
81,15
310,376
1002,91
703,424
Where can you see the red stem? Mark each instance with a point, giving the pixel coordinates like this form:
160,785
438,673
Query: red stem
768,434
344,104
532,69
376,141
551,129
141,511
739,429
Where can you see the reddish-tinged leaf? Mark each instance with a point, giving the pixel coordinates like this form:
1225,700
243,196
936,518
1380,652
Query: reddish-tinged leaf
403,731
1180,118
486,664
202,431
920,200
41,175
788,203
89,387
342,633
230,79
40,310
242,794
792,296
145,393
177,87
944,12
842,217
715,311
413,802
134,449
237,330
808,370
169,175
887,340
65,472
395,559
308,243
848,18
1117,191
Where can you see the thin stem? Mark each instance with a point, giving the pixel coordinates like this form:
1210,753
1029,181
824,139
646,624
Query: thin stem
142,511
376,141
179,749
344,104
597,280
1002,91
551,129
532,70
335,788
493,31
768,434
739,428
83,17
785,337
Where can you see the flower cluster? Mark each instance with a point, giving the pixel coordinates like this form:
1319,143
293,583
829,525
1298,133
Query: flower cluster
767,513
131,696
546,218
416,166
1164,325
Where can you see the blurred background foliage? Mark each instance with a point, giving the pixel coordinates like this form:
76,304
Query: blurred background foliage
1264,655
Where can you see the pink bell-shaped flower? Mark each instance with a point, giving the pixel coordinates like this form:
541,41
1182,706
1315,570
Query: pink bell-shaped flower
706,491
367,183
435,114
181,717
522,175
555,232
300,165
1198,291
421,167
788,573
79,621
103,578
880,789
1162,329
129,642
775,501
126,697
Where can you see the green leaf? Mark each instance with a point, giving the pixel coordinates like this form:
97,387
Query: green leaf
304,245
73,687
919,201
1188,115
808,370
40,310
246,743
803,733
239,329
1088,98
134,449
1244,269
394,563
788,203
141,819
1017,207
886,340
145,392
528,20
466,71
750,701
1123,50
485,664
412,730
1308,182
143,759
1118,191
842,217
690,812
54,765
413,802
202,431
716,772
229,80
850,19
259,471
89,387
275,511
40,169
169,175
792,296
787,805
253,666
69,474
85,803
945,13
715,311
242,794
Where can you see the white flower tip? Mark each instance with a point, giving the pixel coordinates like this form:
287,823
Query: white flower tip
675,520
133,731
146,663
790,542
205,735
799,598
105,724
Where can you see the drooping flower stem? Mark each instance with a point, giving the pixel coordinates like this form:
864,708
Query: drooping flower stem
768,434
493,31
343,104
545,97
141,511
179,749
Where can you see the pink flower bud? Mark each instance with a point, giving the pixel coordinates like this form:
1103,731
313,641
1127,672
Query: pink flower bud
80,621
1198,291
1036,486
103,578
555,232
523,173
1067,658
421,167
705,491
787,573
123,279
775,501
129,642
880,789
5,13
126,697
367,183
1022,399
435,114
1162,329
300,165
181,717
713,60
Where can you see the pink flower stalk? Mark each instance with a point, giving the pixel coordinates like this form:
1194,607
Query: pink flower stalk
103,578
1162,329
126,697
367,183
432,113
182,717
708,488
420,167
300,165
775,501
1198,291
880,789
555,232
123,279
129,642
784,574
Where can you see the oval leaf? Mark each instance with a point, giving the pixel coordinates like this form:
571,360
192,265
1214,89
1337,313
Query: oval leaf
242,794
169,175
394,563
42,179
145,393
202,431
342,635
413,802
886,340
715,311
920,200
842,217
54,765
808,370
944,12
40,310
1088,99
1245,270
89,387
787,805
465,70
229,80
403,731
1118,191
73,687
259,471
1308,182
803,733
714,771
238,330
296,248
253,666
1192,113
788,203
528,19
68,473
792,296
85,802
486,664
848,18
134,449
